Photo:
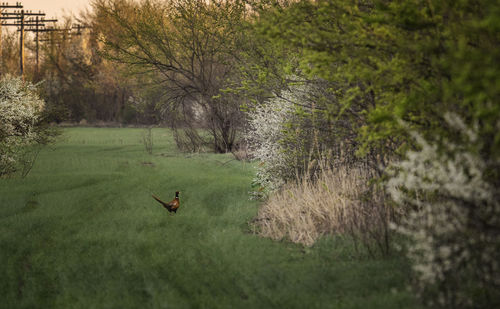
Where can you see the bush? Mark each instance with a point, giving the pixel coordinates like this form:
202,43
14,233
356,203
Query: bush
453,220
332,203
265,136
289,135
291,130
20,115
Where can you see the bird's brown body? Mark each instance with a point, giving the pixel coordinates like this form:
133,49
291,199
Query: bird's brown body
171,206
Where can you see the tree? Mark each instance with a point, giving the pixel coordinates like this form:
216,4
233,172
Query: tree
189,47
397,67
10,53
391,60
21,121
78,82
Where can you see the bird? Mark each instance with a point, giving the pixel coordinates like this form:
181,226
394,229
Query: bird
171,206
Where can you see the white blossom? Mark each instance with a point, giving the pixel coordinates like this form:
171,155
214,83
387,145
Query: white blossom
449,199
265,138
20,109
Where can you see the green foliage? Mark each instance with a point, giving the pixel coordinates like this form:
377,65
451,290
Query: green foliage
407,60
83,231
415,61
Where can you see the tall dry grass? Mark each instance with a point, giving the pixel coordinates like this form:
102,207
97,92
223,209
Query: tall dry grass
337,201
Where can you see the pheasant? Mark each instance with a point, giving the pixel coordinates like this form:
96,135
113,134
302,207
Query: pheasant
172,205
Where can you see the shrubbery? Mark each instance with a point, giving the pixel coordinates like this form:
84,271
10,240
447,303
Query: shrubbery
452,219
294,130
311,190
331,203
383,62
20,118
267,123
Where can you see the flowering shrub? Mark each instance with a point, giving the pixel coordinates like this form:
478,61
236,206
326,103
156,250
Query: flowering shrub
297,128
453,222
20,109
265,136
282,134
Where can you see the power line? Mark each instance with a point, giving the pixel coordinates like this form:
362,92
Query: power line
18,18
4,6
29,21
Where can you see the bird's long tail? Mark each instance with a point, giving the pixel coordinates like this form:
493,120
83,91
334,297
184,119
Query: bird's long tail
160,201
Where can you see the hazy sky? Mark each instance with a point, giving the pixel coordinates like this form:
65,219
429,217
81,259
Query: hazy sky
53,8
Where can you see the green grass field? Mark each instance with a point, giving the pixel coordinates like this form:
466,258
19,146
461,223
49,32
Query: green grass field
82,231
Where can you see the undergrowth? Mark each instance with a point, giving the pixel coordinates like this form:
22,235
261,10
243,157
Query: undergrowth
339,201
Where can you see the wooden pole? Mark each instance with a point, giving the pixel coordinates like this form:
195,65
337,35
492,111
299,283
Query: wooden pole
20,23
21,46
1,54
37,47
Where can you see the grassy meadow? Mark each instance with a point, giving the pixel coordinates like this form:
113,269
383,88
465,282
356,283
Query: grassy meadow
82,231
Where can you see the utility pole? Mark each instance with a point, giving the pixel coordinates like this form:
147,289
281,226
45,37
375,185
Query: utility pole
4,6
21,45
21,22
37,25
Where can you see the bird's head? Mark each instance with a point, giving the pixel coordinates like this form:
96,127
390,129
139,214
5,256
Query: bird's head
177,194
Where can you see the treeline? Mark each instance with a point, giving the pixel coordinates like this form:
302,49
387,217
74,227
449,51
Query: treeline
76,81
388,110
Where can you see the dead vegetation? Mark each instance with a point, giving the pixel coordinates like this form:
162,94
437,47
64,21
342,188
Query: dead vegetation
337,201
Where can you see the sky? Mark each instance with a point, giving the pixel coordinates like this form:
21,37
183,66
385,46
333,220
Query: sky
53,8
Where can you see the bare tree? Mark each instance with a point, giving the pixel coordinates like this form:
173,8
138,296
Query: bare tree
190,48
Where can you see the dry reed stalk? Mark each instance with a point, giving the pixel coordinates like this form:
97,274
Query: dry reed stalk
304,211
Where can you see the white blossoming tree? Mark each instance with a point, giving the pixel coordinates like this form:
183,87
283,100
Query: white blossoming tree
265,136
292,131
453,222
20,109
